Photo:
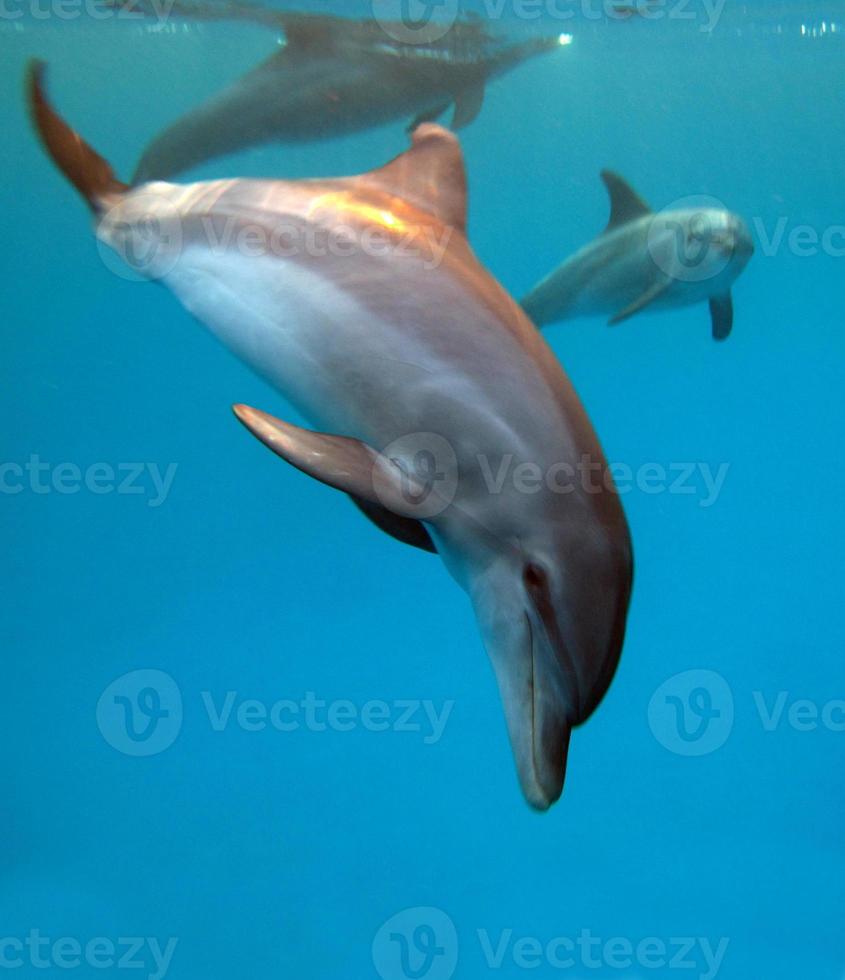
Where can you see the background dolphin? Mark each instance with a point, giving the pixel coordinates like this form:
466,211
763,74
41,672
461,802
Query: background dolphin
334,76
647,260
430,379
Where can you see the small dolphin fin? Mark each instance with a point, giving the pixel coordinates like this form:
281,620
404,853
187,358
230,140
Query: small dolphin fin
338,461
468,104
641,302
430,175
308,32
427,115
722,316
625,203
404,529
89,173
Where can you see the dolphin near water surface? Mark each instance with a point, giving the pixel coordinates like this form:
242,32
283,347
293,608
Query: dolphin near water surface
438,406
334,76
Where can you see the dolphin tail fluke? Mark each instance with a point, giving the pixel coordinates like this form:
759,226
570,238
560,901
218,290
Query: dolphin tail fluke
89,173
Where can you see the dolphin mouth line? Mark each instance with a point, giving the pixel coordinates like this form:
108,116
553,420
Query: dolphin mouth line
560,652
534,758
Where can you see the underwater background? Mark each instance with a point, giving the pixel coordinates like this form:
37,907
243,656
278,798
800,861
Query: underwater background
702,811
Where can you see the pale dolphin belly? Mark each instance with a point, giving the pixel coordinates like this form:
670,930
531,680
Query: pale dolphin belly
353,369
599,280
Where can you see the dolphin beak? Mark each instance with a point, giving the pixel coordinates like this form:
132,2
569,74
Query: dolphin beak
538,694
737,241
554,651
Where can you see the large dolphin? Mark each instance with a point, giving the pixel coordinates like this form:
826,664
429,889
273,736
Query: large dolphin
451,422
335,76
646,260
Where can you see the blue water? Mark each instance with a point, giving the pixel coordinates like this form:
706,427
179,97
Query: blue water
281,854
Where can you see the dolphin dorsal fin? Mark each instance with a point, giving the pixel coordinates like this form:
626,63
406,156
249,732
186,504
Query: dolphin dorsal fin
430,175
306,32
625,203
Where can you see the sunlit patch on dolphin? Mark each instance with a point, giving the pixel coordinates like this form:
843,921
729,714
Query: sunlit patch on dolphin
421,375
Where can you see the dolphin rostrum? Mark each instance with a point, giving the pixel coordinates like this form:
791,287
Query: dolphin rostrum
648,260
452,424
335,76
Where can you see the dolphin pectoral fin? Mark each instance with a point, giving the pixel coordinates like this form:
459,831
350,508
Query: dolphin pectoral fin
338,461
722,316
625,203
427,116
404,529
467,106
640,303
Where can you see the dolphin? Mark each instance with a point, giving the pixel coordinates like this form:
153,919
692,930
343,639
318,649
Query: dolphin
437,405
646,260
336,76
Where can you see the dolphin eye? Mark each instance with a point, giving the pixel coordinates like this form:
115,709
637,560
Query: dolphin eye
535,579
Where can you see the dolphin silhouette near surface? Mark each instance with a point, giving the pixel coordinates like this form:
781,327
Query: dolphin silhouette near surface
647,260
438,406
334,76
